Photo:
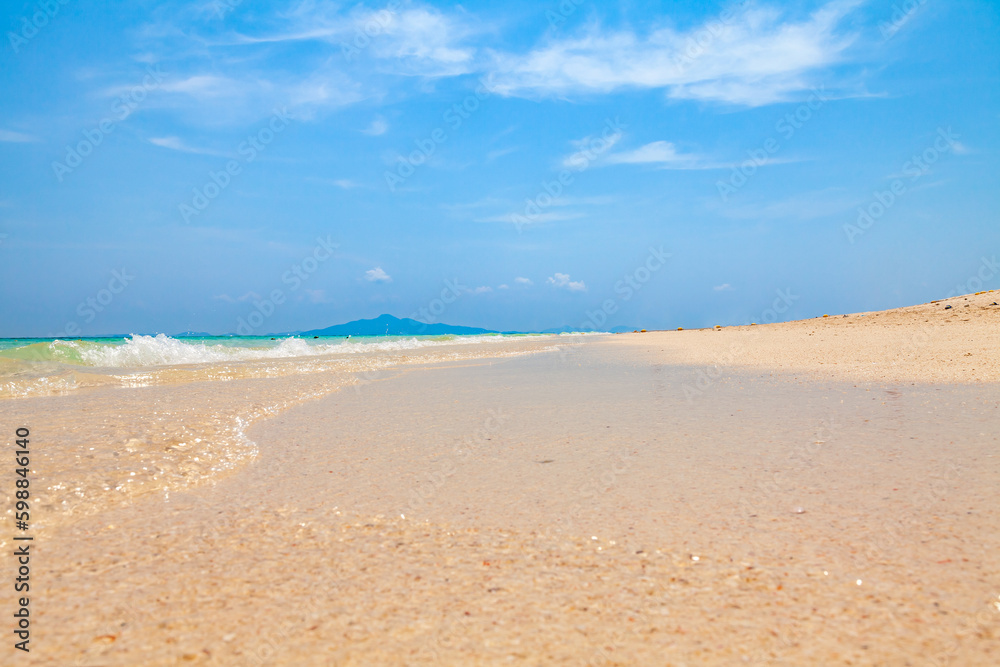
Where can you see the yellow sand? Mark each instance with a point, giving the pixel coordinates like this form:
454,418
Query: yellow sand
632,499
925,343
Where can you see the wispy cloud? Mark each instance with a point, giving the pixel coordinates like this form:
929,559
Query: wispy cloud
724,287
760,58
377,127
527,282
419,40
240,299
317,296
500,152
562,281
804,206
664,155
959,148
589,149
204,85
426,42
764,55
15,137
176,144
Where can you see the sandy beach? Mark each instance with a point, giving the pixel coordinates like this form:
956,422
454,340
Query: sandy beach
814,492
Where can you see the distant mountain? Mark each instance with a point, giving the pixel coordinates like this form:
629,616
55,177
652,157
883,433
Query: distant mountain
387,325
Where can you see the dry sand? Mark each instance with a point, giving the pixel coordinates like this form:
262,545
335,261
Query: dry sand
633,499
925,343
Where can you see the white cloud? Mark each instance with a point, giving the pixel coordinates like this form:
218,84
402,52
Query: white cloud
377,275
250,97
658,151
724,287
246,297
960,148
590,149
377,127
175,143
208,86
500,152
758,57
419,41
346,183
425,42
764,54
562,280
663,154
503,287
524,281
485,289
9,136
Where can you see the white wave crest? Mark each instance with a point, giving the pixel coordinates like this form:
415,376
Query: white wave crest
162,350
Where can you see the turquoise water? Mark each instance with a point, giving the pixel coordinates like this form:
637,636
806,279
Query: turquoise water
46,366
141,350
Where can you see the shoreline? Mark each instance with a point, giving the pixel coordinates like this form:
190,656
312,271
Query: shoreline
568,507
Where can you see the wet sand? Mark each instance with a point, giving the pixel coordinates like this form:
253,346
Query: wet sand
579,506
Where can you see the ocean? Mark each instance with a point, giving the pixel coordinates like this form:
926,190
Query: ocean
118,418
48,366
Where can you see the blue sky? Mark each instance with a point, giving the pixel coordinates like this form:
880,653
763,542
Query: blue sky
169,166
